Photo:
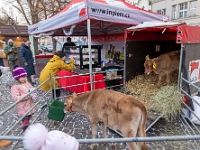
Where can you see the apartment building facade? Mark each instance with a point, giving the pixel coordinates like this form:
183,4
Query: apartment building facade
179,10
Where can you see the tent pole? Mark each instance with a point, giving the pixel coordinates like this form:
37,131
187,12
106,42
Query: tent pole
124,73
89,48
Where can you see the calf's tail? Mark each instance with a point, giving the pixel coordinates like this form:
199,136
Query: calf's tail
141,129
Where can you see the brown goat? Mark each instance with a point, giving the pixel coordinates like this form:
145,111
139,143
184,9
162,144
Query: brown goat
113,109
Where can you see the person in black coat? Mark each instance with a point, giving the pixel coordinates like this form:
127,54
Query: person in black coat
26,56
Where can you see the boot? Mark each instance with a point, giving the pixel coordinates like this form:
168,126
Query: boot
25,123
24,128
4,143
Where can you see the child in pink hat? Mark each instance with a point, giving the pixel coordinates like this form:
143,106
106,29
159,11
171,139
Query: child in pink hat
18,91
37,137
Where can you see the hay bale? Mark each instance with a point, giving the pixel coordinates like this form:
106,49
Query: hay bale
167,101
143,87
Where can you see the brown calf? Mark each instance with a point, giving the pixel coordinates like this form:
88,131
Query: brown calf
163,65
113,109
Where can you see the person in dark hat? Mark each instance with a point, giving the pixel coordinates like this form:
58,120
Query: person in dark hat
11,52
54,65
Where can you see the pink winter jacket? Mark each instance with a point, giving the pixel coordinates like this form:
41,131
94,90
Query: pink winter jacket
18,91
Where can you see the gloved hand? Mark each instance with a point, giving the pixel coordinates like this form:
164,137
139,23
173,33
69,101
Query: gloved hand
33,95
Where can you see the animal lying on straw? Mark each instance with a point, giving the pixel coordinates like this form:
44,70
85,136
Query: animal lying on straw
113,109
163,65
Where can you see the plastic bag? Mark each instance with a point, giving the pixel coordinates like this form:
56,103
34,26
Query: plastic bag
193,118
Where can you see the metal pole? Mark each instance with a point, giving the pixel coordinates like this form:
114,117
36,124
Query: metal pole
54,88
180,66
51,86
89,48
124,73
185,74
120,140
190,83
152,123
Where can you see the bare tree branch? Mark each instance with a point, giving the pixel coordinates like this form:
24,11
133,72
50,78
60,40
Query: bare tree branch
7,19
34,11
22,10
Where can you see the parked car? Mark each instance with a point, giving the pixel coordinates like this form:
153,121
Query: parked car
49,48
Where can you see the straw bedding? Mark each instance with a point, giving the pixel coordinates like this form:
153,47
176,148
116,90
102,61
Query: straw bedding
165,100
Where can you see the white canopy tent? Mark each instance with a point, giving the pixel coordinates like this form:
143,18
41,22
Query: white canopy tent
94,17
107,17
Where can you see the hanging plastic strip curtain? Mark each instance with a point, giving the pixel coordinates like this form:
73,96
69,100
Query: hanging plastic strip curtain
70,30
45,34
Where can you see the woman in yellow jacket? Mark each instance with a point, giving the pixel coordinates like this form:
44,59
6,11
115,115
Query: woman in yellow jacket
54,65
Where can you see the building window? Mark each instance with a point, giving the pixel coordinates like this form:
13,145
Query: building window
174,12
183,10
161,11
193,7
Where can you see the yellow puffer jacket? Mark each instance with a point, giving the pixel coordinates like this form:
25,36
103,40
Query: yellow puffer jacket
54,65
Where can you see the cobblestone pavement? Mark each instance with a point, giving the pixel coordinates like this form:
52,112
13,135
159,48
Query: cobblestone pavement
78,125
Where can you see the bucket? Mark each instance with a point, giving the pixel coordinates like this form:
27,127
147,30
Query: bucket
56,111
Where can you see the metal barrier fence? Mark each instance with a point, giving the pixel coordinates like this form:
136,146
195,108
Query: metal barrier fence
116,86
11,109
191,128
41,116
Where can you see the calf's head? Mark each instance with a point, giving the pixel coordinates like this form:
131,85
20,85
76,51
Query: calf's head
149,65
69,100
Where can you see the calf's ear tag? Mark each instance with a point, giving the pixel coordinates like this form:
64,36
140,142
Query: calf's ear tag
147,57
154,65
